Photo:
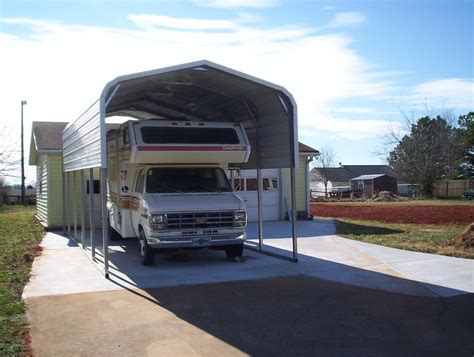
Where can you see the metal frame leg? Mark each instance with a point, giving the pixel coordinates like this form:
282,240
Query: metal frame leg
74,183
105,233
83,209
293,213
91,213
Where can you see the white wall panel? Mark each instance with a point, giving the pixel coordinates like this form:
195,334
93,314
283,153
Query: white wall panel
82,141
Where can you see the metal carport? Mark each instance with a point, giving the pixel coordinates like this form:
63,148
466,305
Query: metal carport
201,90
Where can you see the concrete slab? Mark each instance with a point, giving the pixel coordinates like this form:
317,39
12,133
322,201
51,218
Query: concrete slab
291,316
65,268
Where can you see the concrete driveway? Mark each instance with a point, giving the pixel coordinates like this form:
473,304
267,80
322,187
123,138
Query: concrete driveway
343,297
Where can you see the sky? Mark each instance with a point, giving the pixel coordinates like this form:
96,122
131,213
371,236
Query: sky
353,67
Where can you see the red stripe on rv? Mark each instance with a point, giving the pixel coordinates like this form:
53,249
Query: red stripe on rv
192,148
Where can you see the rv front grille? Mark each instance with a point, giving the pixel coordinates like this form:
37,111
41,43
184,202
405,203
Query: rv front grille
200,220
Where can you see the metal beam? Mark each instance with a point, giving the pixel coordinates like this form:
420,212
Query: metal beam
74,183
105,233
83,209
68,202
63,176
293,213
254,118
91,213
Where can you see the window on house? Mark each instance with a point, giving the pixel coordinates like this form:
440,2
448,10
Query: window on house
268,184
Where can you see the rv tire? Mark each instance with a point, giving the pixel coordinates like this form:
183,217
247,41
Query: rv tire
147,252
234,251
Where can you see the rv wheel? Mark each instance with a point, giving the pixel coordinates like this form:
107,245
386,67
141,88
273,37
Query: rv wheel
147,252
234,251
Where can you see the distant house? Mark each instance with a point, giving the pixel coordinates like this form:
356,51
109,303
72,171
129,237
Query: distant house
339,178
371,184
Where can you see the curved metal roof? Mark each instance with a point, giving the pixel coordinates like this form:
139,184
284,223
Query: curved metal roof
201,91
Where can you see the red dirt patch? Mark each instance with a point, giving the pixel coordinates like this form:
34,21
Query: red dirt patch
416,214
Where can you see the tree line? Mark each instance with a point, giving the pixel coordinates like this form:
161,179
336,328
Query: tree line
434,148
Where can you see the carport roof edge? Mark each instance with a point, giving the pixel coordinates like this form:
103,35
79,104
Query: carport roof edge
196,64
200,90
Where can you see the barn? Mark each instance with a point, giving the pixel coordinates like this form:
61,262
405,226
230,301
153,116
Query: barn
372,184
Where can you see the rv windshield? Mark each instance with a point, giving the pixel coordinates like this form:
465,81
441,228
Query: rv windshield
181,180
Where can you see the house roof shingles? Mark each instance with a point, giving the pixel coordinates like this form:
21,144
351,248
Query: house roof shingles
303,148
48,135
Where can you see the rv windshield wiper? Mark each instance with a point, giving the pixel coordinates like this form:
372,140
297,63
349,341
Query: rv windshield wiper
170,188
205,188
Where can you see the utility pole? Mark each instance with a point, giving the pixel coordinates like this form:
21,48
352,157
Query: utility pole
23,201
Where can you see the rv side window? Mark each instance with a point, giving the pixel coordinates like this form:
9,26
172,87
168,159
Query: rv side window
125,137
176,135
140,181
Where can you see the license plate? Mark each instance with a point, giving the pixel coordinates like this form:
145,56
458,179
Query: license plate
201,241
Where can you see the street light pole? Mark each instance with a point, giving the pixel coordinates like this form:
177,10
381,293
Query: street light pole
23,201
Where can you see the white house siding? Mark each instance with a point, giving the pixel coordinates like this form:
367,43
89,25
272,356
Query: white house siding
42,189
55,191
301,187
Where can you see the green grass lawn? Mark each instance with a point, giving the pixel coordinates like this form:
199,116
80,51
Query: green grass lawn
417,237
20,235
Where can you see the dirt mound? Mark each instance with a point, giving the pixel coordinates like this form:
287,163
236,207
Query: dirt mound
383,196
465,240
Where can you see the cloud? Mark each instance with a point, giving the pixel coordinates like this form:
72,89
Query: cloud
451,92
150,22
354,130
344,19
60,69
256,4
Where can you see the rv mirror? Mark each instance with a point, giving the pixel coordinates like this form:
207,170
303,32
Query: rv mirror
235,179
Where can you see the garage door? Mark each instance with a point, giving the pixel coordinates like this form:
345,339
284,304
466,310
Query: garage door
271,194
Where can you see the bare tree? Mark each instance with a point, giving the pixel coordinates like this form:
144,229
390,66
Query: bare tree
326,158
9,159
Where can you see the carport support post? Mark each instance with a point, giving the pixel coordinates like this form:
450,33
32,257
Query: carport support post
293,213
259,174
64,201
260,204
91,213
105,233
68,203
74,183
83,210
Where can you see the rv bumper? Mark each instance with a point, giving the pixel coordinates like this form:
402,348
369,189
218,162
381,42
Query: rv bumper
196,241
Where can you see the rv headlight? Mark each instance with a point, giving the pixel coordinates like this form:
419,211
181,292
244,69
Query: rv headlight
158,218
158,222
240,218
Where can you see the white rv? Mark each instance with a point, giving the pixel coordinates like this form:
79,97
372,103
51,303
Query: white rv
168,185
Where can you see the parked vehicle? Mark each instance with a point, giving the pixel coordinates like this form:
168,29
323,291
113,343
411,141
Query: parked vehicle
468,195
169,188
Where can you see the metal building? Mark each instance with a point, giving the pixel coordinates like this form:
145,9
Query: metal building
200,90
